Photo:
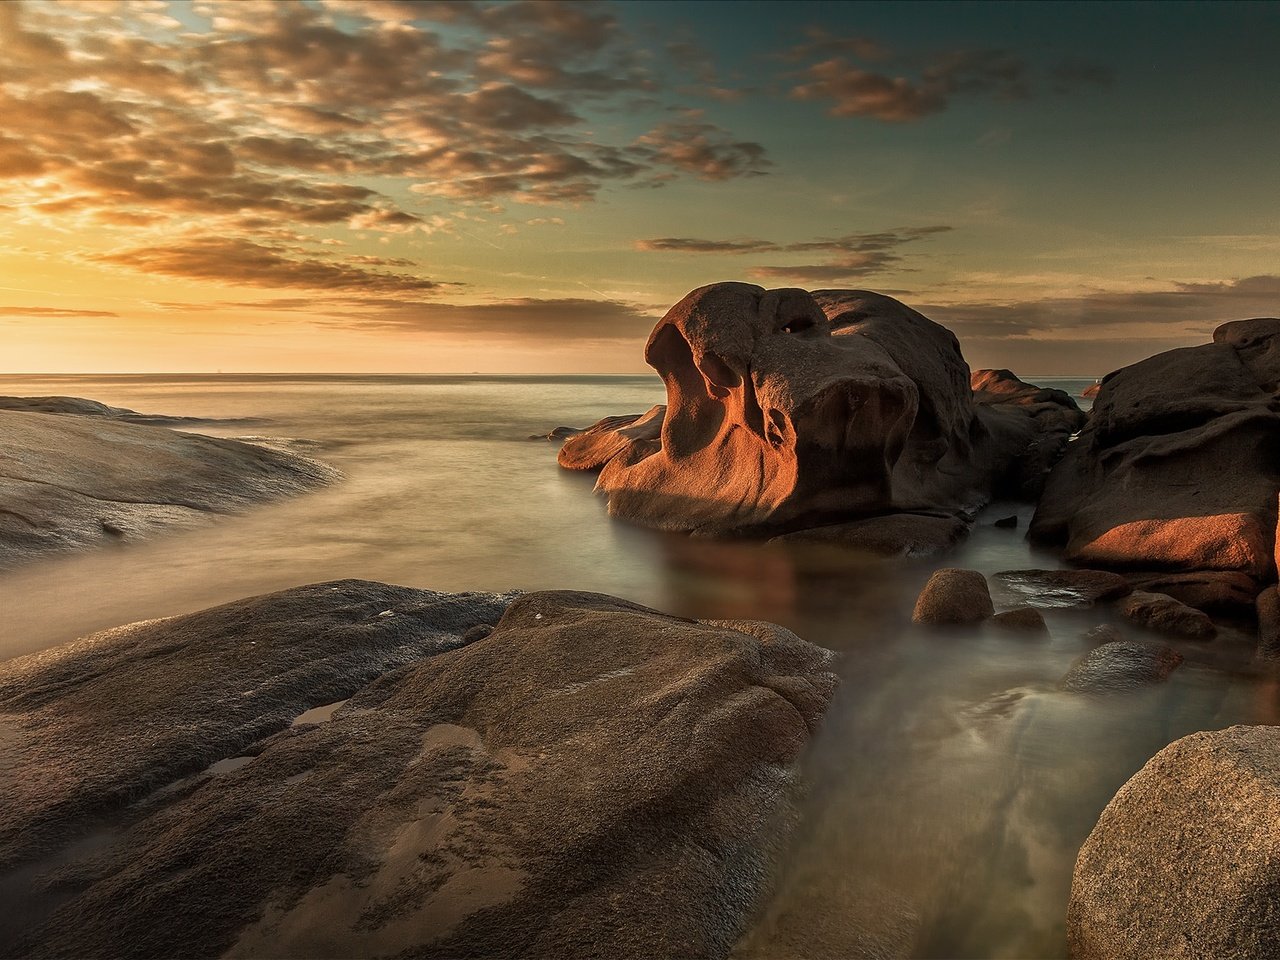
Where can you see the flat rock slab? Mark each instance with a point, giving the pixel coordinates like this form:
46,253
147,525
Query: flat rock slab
1185,860
591,778
1065,588
68,482
1121,665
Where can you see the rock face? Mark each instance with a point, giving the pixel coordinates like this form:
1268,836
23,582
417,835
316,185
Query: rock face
1185,860
1179,466
589,778
788,410
954,596
70,481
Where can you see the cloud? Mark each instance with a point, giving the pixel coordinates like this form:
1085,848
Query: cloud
852,74
853,256
53,312
1188,310
703,149
240,262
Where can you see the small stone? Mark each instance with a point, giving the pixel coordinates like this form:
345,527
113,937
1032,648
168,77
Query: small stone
954,596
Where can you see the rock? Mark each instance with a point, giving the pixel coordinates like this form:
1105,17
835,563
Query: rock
593,778
900,535
1160,612
1026,619
629,438
75,481
1091,391
1268,610
788,410
80,407
1065,588
954,596
1221,591
1007,523
1143,488
558,435
1121,665
1185,859
1103,633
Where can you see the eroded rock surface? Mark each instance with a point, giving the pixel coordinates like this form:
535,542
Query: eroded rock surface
590,778
787,410
1179,467
1185,860
70,481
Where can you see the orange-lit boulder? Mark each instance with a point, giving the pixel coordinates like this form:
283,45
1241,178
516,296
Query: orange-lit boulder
787,410
1179,466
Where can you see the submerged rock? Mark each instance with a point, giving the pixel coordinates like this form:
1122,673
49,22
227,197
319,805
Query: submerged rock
1160,612
1179,466
1121,665
1026,619
954,596
787,410
1065,588
1185,860
592,778
74,481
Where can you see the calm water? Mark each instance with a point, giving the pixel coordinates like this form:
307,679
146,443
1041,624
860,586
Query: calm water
952,783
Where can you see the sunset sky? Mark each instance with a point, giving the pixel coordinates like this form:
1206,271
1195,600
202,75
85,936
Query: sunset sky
384,185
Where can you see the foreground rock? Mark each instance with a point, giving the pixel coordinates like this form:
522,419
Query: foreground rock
954,596
1185,860
590,778
70,481
1179,466
788,410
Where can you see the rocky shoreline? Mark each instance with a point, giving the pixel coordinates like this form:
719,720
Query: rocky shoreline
354,768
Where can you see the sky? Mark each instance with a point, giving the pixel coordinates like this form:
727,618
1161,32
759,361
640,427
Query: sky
427,186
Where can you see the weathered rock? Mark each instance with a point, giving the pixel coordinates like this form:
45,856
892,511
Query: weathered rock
1160,612
1268,611
954,596
1121,665
1185,860
1219,591
1025,619
1065,588
592,778
788,410
75,481
1144,487
80,407
631,438
900,535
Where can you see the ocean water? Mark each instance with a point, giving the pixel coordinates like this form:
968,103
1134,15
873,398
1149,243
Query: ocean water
952,783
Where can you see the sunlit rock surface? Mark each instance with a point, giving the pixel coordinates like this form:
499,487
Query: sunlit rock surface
1185,860
787,410
1179,466
80,478
589,778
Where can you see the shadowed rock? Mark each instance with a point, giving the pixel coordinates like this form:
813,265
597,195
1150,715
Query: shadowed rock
1179,466
1185,859
1065,588
1024,619
954,596
1215,591
787,410
592,778
1162,613
1121,665
1035,421
75,481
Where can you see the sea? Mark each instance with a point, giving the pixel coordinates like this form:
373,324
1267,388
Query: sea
952,782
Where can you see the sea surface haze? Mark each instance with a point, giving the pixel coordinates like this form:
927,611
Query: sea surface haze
952,783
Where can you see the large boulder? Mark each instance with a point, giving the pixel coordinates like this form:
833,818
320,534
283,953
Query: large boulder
1185,860
589,778
70,481
788,410
1179,467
